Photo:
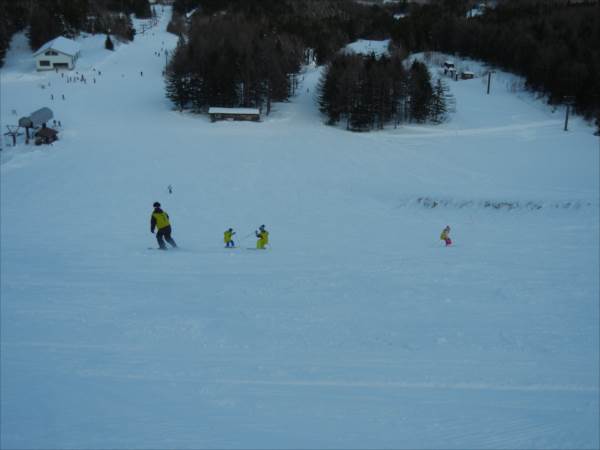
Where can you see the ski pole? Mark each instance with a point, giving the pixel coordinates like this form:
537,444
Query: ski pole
246,237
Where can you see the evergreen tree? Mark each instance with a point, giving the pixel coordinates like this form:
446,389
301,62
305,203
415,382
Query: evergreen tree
178,79
554,45
108,43
141,8
43,27
232,61
366,91
74,13
327,88
420,92
400,91
360,117
338,86
5,37
438,108
179,88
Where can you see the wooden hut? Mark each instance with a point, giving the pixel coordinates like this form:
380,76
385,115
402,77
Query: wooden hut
45,135
251,114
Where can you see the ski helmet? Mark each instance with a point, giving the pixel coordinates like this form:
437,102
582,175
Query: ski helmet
156,205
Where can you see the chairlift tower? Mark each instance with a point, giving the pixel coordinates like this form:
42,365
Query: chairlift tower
13,131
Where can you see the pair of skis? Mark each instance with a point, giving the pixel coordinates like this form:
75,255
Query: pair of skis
248,248
177,248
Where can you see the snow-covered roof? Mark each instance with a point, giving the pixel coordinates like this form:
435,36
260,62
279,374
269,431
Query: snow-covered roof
215,110
36,118
60,44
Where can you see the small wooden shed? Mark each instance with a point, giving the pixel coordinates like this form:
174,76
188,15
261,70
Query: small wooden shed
217,113
45,135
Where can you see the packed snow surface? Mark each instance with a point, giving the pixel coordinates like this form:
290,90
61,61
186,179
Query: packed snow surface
357,328
368,47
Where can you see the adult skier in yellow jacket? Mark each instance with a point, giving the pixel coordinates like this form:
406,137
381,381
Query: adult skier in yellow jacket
160,220
263,238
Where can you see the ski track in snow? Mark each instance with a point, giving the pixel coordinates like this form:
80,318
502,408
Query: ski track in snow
355,329
408,385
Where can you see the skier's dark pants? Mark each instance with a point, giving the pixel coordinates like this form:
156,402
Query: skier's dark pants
166,233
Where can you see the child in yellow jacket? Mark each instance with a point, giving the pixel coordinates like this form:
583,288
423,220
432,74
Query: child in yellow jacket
445,236
228,238
263,238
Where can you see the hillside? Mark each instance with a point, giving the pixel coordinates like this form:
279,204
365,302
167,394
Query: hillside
356,328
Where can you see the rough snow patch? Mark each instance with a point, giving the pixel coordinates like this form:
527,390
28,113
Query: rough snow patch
368,47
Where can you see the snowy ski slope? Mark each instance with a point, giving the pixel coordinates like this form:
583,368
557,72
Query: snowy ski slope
356,329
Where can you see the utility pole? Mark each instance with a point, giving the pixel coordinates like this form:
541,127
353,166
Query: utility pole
489,81
569,100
